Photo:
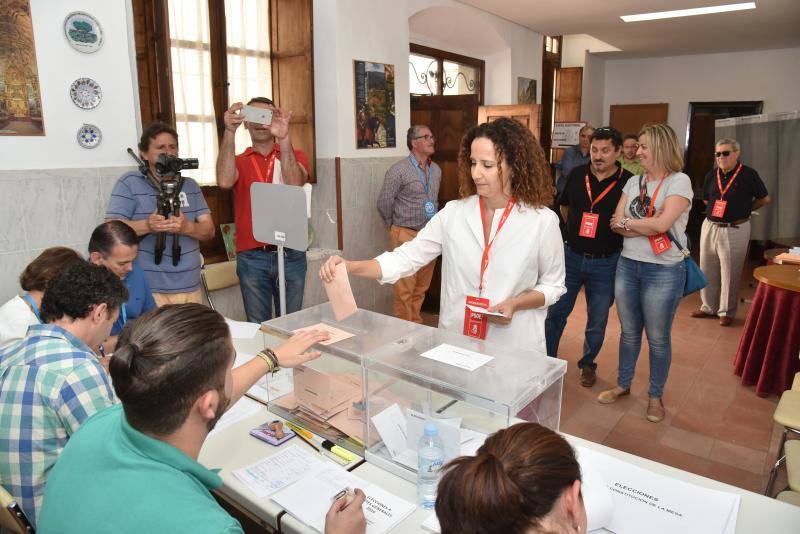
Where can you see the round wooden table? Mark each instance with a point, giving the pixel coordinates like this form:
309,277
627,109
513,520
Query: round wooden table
769,350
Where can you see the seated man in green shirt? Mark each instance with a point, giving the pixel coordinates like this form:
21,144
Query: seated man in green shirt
133,468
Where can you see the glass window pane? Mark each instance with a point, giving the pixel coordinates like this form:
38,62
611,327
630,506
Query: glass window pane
460,79
249,68
422,74
555,46
191,85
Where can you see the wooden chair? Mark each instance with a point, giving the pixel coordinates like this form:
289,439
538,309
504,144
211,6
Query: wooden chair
218,276
12,518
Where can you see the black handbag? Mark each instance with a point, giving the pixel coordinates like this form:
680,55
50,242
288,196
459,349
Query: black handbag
695,279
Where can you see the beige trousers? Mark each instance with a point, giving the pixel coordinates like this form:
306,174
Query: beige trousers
409,292
179,298
722,254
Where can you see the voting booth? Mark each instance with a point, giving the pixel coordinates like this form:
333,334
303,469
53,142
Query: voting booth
380,378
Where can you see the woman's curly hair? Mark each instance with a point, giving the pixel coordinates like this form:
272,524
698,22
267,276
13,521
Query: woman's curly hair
531,183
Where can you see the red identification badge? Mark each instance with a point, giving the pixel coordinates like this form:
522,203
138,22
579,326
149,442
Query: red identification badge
475,322
719,208
589,225
660,243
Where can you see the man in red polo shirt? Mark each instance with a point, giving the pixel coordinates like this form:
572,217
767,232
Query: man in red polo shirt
270,159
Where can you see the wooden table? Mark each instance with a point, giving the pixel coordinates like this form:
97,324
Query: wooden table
769,350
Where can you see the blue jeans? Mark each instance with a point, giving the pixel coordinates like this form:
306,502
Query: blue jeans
647,297
258,278
597,275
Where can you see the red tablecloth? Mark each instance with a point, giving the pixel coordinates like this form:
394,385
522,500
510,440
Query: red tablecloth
769,351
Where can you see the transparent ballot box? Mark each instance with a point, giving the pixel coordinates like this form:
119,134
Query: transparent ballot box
391,376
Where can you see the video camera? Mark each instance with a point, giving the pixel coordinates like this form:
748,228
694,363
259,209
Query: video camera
168,185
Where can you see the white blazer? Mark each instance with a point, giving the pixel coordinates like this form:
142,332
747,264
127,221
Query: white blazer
528,254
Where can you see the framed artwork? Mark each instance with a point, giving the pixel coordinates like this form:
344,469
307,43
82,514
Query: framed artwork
526,91
375,98
20,94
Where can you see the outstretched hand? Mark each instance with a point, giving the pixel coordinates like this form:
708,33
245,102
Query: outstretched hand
293,352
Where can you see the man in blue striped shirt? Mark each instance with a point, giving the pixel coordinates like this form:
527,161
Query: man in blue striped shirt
134,201
52,381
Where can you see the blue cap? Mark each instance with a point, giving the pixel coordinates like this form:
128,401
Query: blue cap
431,429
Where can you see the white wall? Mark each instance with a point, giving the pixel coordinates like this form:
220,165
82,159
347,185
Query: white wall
59,65
346,30
769,75
593,90
574,48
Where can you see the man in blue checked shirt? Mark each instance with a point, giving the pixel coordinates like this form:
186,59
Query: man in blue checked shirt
51,381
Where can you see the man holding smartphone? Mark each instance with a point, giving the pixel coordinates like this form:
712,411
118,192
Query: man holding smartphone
270,159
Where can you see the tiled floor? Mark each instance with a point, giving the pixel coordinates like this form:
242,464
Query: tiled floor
715,426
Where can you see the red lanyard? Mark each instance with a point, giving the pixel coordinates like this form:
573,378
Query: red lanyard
486,243
593,203
270,164
719,182
655,196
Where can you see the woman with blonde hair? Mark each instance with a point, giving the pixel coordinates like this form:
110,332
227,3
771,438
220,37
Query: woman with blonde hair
650,273
500,244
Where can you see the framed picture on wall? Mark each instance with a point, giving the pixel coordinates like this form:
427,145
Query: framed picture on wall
526,91
20,94
375,105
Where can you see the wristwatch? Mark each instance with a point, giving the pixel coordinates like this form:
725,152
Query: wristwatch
268,355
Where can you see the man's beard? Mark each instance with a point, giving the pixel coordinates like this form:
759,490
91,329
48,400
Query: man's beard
224,400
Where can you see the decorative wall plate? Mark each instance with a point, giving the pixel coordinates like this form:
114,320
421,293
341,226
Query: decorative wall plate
89,136
85,93
83,32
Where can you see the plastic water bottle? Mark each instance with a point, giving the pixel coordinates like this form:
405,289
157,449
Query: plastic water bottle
430,454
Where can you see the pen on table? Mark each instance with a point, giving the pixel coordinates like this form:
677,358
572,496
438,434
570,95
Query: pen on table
300,431
301,436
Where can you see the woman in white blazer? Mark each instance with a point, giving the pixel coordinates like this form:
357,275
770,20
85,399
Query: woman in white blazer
505,188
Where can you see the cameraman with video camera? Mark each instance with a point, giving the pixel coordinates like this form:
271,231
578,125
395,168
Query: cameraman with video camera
171,219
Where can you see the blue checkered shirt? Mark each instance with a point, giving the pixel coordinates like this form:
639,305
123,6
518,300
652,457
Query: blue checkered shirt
50,383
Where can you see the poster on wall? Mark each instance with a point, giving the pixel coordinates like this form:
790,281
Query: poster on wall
20,95
526,91
374,92
566,134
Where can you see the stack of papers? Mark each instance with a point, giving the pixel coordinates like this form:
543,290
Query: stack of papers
310,498
643,501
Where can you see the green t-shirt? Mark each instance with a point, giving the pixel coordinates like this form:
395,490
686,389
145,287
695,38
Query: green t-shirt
633,167
112,478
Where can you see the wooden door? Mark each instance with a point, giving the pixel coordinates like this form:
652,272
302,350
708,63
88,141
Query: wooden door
567,101
449,118
527,114
629,118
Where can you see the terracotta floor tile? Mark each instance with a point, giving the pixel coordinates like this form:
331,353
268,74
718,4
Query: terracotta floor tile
734,476
636,426
638,445
745,436
740,457
689,442
680,459
694,419
756,420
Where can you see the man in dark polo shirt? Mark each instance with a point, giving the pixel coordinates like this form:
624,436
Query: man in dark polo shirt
270,159
590,195
731,192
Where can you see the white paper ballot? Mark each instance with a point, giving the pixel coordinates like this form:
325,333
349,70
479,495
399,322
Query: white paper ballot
309,499
432,524
242,330
449,432
644,501
484,311
391,426
278,471
458,357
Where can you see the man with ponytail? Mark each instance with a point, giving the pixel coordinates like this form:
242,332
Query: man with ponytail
524,480
133,467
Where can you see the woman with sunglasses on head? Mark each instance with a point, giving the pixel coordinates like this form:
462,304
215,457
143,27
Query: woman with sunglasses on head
500,245
651,272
